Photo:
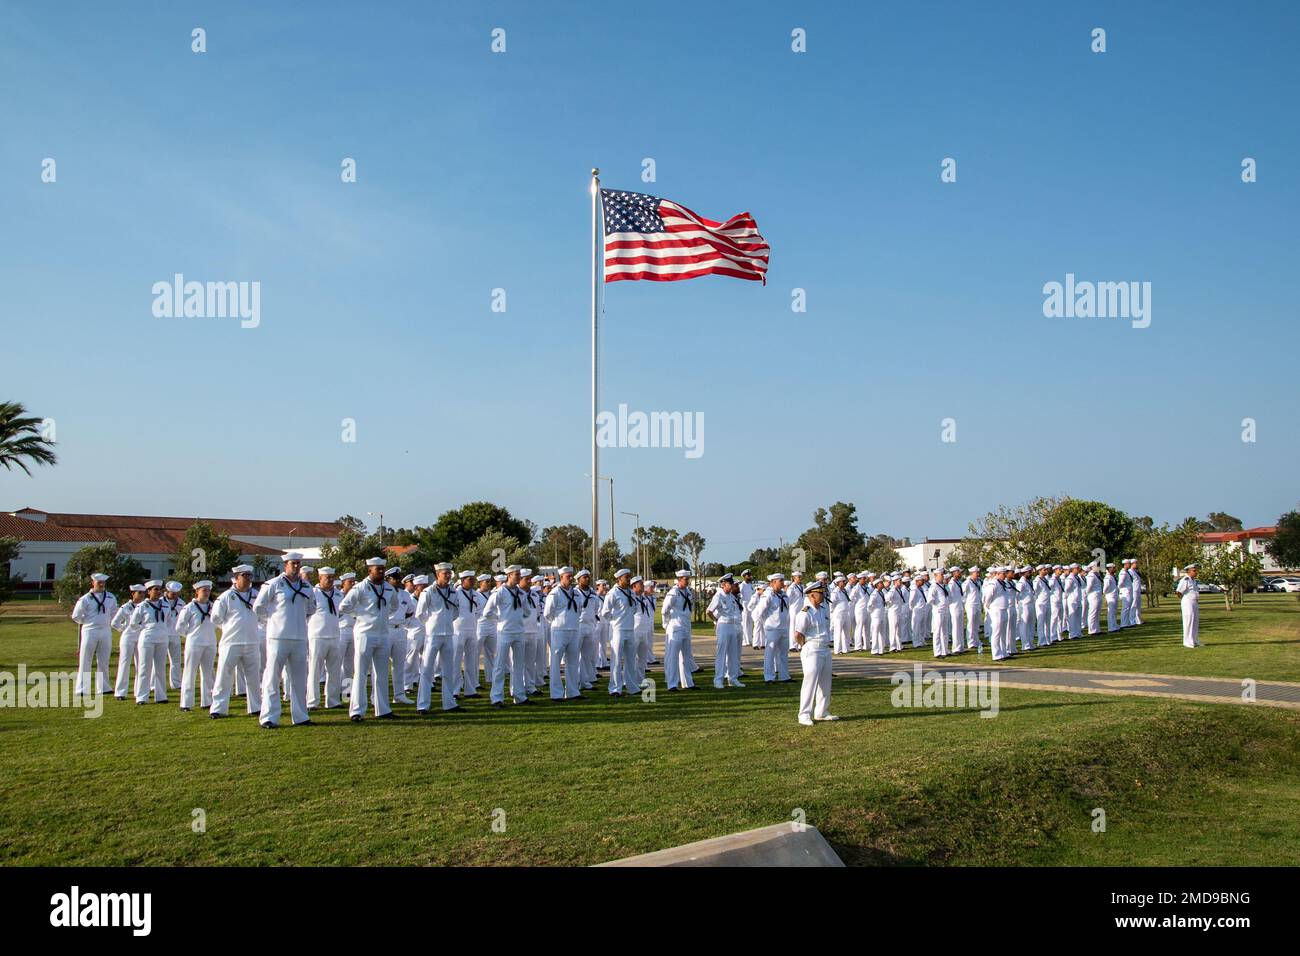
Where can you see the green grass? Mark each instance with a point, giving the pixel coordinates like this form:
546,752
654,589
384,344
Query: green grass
1260,639
585,782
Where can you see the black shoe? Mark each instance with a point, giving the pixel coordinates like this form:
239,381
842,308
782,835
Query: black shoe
672,690
467,696
256,713
215,716
115,697
498,703
186,709
388,716
452,710
355,718
304,723
524,701
270,726
579,697
423,713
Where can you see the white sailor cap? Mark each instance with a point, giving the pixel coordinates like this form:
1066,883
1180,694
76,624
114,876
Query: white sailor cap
443,566
1110,564
1135,561
465,574
348,576
408,577
896,576
839,576
152,583
498,578
822,575
1190,567
745,572
636,579
308,568
511,568
565,570
778,576
420,580
375,562
583,573
241,569
327,570
602,581
796,572
136,588
973,567
174,586
622,571
99,576
484,577
292,556
202,584
526,572
1074,565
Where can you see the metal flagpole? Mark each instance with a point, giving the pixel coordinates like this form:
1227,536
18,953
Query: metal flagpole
595,465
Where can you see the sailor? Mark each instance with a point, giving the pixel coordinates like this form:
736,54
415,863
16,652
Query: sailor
172,605
1092,598
1057,584
813,636
240,650
1042,589
746,591
652,598
679,607
756,634
374,606
1189,600
1135,590
325,643
1074,600
127,645
437,610
414,633
94,613
973,596
487,628
772,619
956,611
1110,593
905,619
150,618
918,610
286,602
1024,608
794,595
603,650
589,608
893,596
195,624
1125,595
862,611
841,607
619,609
727,611
643,623
532,652
347,651
509,606
464,647
940,622
563,612
997,605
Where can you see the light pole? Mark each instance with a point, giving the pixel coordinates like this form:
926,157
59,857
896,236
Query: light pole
612,533
633,514
371,514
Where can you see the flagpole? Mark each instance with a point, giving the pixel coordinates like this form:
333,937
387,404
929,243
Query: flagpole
595,464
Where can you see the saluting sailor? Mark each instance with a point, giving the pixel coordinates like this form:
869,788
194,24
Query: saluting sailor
347,650
437,610
150,617
240,650
812,635
195,624
1190,603
94,613
127,645
374,607
286,602
172,605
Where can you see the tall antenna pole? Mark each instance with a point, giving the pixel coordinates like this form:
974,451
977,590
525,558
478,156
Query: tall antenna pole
596,230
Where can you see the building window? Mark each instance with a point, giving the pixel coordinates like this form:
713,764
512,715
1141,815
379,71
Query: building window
49,572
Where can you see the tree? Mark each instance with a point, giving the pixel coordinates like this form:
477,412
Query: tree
352,524
456,530
1233,569
835,529
1220,521
204,553
692,544
563,544
22,439
10,548
1049,530
880,555
1285,546
491,553
122,571
350,551
1163,551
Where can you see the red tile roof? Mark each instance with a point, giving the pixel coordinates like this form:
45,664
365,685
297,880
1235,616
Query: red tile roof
231,526
1220,537
128,540
26,530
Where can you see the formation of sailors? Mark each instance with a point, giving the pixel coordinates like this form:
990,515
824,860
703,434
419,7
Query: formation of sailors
381,638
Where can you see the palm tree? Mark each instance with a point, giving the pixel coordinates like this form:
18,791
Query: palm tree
21,440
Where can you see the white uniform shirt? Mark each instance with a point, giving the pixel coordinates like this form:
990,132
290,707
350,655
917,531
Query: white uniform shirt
589,601
438,608
95,612
1191,595
235,613
619,608
374,608
195,624
772,612
840,601
151,618
471,609
122,621
679,604
814,623
727,607
509,607
325,623
285,605
563,608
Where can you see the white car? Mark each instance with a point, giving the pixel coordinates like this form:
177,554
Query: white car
1290,585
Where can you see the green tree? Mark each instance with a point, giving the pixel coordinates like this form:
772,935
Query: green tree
563,544
352,524
10,548
1285,546
204,552
22,439
491,553
880,555
122,571
350,551
1049,529
1220,521
457,529
835,528
1233,569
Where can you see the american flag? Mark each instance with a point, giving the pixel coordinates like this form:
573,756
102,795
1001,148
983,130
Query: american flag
647,237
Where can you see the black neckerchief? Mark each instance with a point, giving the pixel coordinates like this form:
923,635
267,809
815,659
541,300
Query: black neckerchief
383,589
204,612
469,593
158,614
100,602
247,602
736,595
780,596
297,590
686,596
514,597
627,594
568,596
944,586
586,596
329,599
445,595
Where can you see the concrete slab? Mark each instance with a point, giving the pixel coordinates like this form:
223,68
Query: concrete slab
777,845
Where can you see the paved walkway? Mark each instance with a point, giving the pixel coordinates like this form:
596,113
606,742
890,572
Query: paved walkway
1218,690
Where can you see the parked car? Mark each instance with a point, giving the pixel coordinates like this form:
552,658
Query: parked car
1205,587
1266,587
1290,585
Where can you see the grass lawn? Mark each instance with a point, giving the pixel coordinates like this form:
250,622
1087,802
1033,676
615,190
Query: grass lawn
589,781
1259,639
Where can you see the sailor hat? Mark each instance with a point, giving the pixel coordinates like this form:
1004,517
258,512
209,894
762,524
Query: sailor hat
99,576
375,562
241,569
154,583
292,556
421,579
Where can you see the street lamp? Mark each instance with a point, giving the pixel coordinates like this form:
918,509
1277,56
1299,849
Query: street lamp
612,533
371,514
639,543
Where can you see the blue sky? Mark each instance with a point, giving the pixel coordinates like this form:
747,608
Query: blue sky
924,298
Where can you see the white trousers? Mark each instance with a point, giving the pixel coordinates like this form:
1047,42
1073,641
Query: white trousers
199,661
1093,613
487,642
566,655
917,627
861,630
290,656
534,658
1111,602
815,692
324,662
415,639
464,660
436,661
1191,623
1043,614
126,656
623,674
879,631
726,662
1074,616
998,618
509,655
177,661
957,627
1137,605
587,654
842,630
645,644
238,660
151,672
397,658
1025,625
677,666
369,663
347,654
895,628
939,632
93,652
776,654
974,616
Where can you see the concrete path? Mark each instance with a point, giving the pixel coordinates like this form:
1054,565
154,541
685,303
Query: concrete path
1218,690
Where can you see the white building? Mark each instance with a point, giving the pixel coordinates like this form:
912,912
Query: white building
929,554
49,539
1254,540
